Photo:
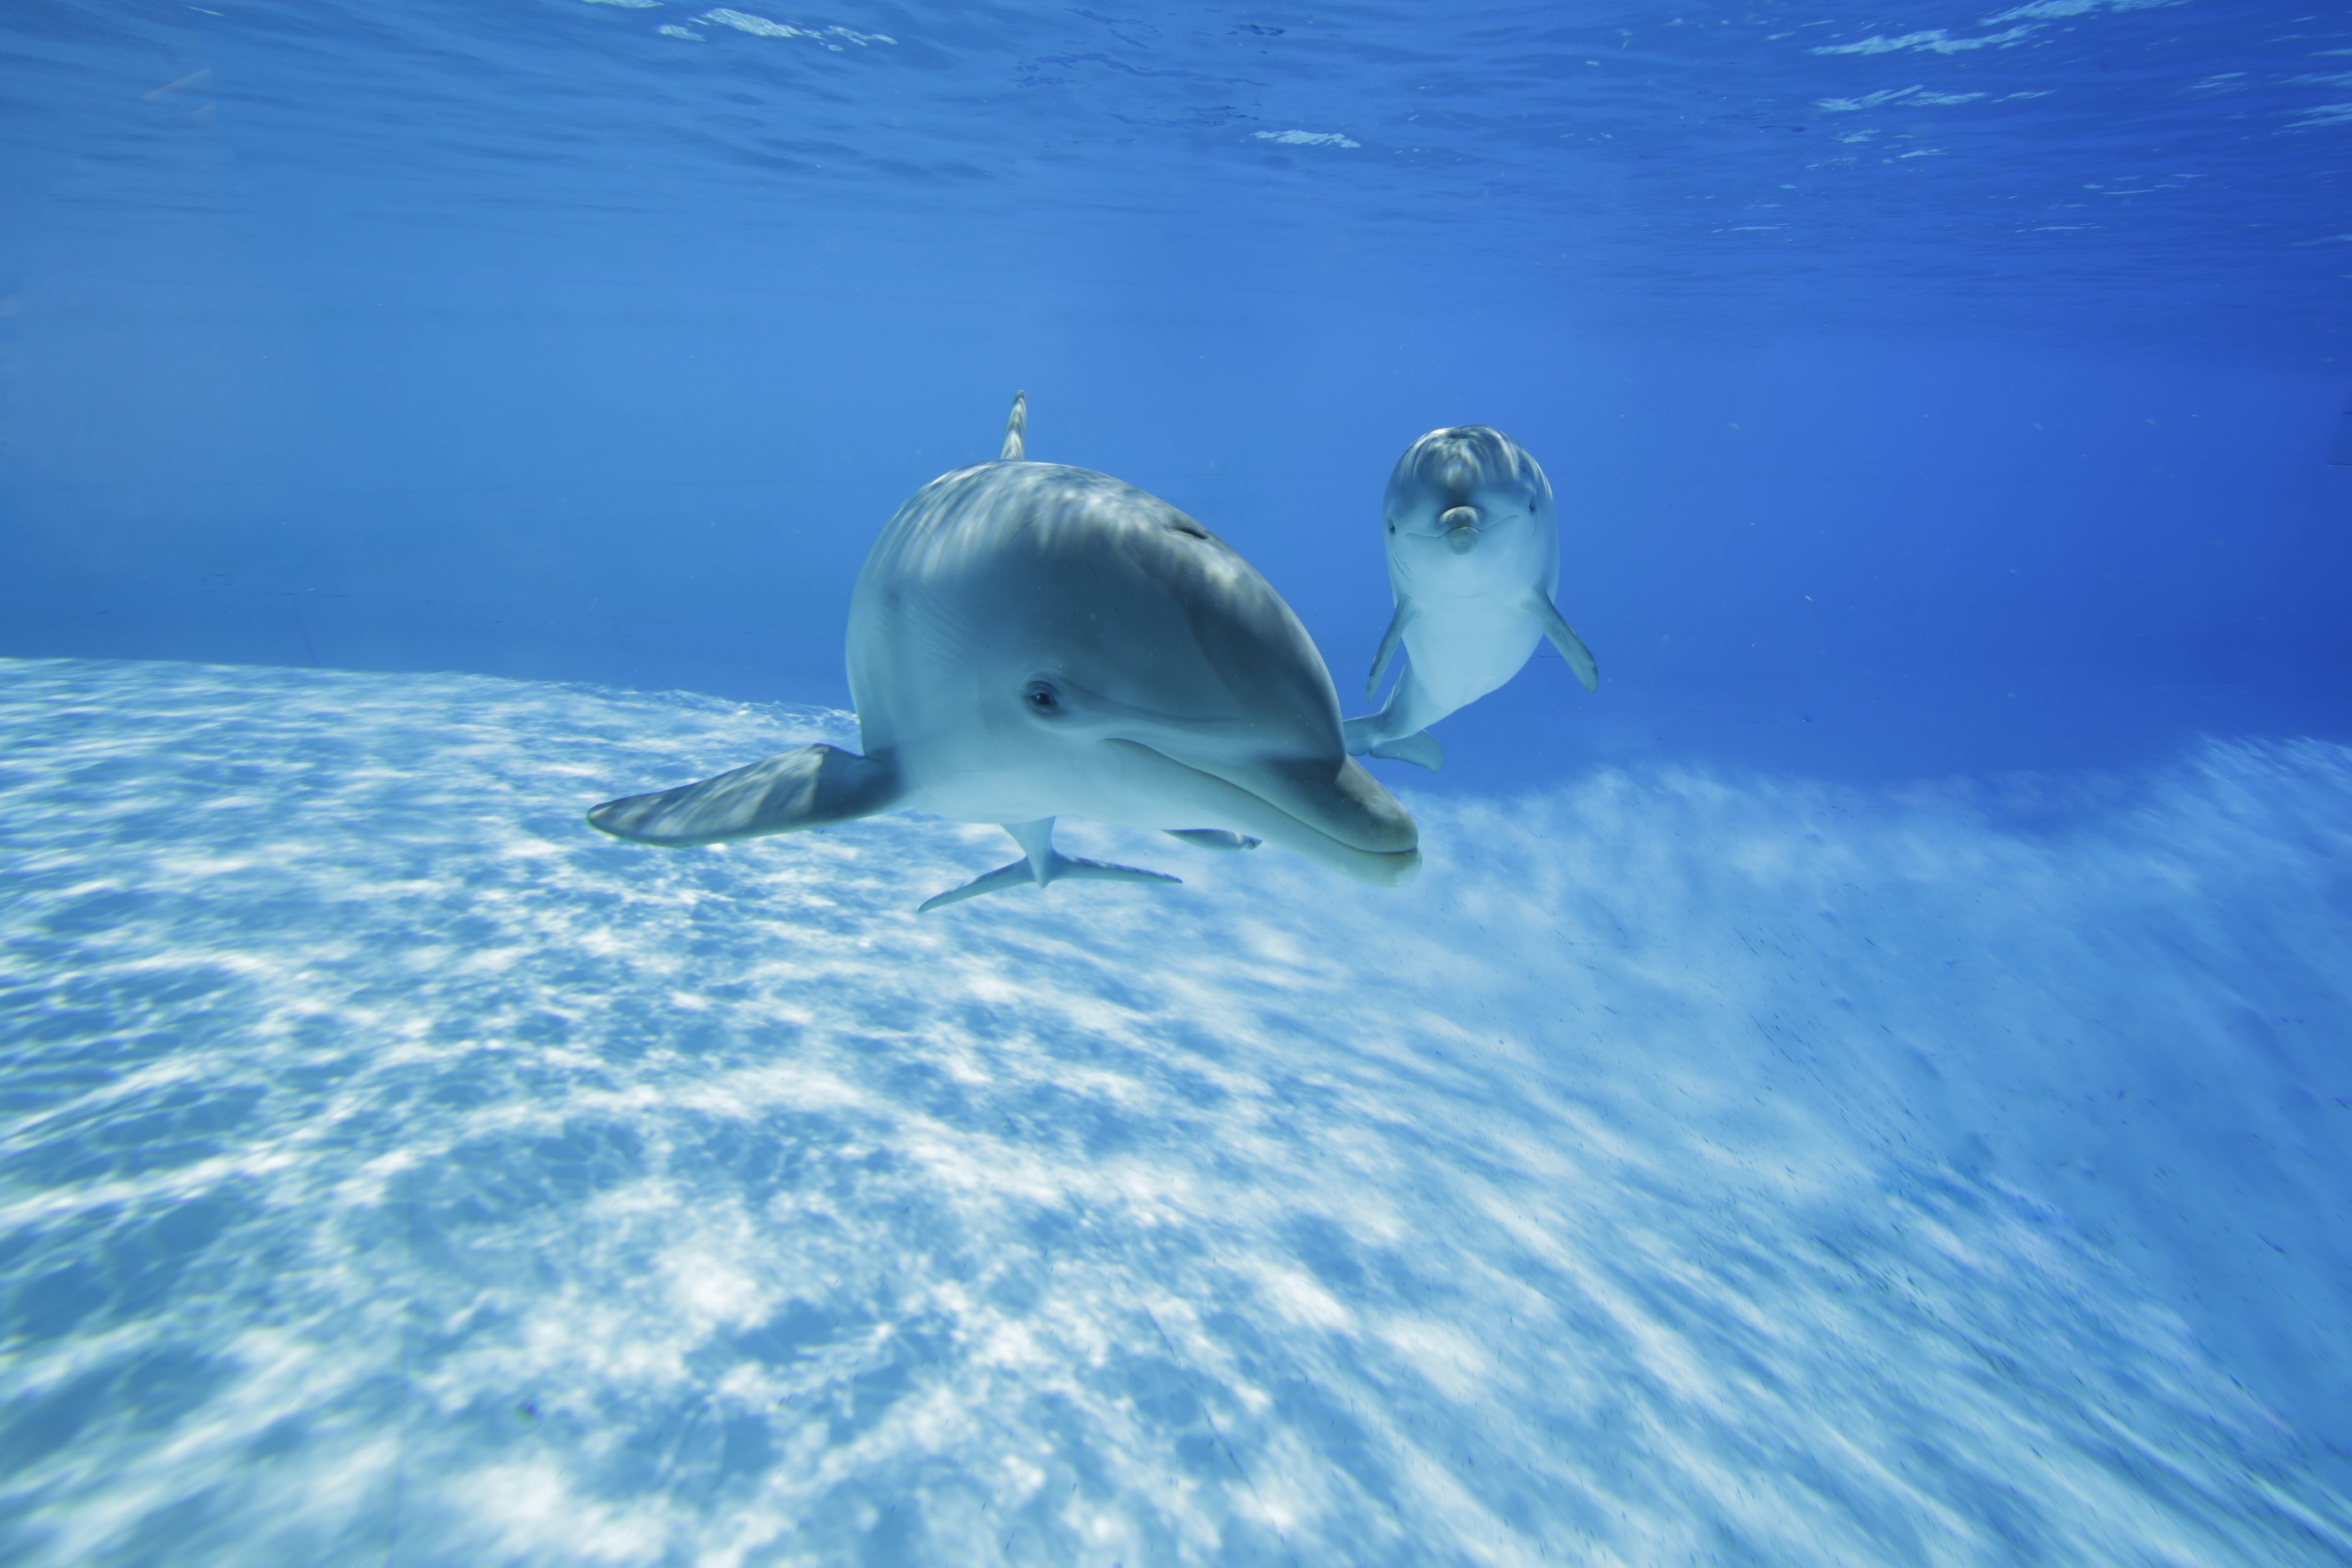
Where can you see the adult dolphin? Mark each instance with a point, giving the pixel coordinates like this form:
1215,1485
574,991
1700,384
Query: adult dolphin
1474,561
1030,641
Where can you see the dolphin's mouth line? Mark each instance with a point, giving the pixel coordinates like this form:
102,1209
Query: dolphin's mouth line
1094,711
1321,834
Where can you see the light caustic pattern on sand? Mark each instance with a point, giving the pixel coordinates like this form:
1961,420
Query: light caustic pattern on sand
1682,1171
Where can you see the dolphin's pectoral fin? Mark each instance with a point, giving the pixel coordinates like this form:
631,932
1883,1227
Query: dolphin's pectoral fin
805,788
1016,431
1572,646
1212,837
1041,863
1390,640
1420,748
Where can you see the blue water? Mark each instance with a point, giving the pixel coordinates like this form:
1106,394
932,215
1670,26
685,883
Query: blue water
1872,1084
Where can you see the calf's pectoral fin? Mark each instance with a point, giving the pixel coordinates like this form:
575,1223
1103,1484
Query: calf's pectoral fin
1572,646
1390,640
805,788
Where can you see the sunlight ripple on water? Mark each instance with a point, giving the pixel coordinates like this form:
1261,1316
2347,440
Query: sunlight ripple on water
1686,1169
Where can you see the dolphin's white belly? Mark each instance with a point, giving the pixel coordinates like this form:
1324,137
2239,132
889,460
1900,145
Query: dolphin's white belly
1103,783
1462,648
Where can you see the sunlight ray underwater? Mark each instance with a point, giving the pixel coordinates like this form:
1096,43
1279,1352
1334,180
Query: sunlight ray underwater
1687,1168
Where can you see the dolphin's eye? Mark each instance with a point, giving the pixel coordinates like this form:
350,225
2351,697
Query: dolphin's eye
1040,697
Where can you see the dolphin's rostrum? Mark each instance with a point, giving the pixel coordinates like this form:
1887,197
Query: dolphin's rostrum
1030,641
1474,561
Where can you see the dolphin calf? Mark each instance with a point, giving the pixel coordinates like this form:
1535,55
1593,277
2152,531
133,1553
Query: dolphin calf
1029,641
1474,561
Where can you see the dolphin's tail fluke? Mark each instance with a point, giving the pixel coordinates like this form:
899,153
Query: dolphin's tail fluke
805,788
1021,874
1041,863
1016,431
1399,731
1420,748
1014,876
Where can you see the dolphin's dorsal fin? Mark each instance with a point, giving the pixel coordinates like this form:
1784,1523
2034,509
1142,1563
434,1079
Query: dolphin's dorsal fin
1016,430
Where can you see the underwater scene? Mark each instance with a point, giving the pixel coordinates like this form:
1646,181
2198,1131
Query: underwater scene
1126,785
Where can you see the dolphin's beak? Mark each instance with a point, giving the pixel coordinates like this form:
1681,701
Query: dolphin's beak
1461,526
1336,814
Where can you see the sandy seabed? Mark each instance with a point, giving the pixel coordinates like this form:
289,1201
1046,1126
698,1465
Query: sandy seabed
1687,1168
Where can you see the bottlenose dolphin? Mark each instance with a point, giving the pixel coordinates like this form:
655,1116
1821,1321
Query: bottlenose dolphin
1028,641
1474,561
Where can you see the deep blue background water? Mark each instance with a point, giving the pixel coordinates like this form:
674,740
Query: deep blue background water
1910,991
1926,393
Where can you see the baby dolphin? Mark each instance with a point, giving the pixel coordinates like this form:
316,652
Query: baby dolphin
1030,641
1474,560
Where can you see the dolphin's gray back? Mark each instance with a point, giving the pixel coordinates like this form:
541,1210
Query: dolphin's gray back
994,572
